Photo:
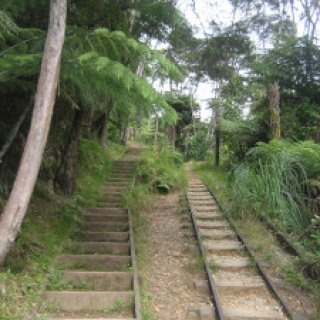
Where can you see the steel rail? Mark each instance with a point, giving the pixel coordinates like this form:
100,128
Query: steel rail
213,290
260,268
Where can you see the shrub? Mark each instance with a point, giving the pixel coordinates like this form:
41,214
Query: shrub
161,168
198,146
274,185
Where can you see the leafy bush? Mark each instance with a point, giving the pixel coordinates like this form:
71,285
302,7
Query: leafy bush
198,146
161,168
93,167
273,184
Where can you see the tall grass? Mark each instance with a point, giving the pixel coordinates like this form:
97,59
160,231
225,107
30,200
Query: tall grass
275,187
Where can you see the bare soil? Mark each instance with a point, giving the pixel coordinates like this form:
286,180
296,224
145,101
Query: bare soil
171,256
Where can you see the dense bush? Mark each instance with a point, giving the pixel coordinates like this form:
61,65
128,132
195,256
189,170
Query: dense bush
162,168
93,167
274,181
198,146
306,152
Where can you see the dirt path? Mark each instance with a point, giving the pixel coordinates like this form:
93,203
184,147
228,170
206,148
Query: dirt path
170,258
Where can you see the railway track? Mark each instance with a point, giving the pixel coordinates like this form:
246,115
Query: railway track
97,274
238,285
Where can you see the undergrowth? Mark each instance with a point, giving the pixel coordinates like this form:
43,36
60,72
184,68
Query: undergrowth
93,168
137,200
275,187
50,221
159,171
162,169
260,240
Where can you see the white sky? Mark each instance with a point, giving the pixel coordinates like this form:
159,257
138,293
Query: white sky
199,17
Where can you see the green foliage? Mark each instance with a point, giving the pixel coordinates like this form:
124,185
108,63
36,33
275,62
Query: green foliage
50,222
161,169
93,167
197,146
275,187
305,152
8,29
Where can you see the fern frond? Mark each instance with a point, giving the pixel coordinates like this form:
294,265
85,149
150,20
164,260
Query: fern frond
8,29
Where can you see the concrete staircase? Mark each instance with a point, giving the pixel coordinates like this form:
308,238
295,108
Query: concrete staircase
98,273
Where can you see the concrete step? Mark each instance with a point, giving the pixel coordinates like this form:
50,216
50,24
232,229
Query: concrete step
110,204
101,262
116,180
106,281
122,174
98,217
212,224
200,208
198,193
208,216
217,234
248,283
197,189
106,226
114,188
107,211
89,300
200,197
118,183
207,313
200,202
224,245
241,314
106,236
121,248
230,263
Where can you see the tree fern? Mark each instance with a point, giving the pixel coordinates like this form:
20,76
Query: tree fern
8,29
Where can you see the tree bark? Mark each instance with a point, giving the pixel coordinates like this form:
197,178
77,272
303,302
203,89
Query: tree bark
217,136
156,131
104,129
66,177
16,207
273,96
14,131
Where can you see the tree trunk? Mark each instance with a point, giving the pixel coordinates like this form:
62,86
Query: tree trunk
140,128
16,207
217,136
273,96
103,133
66,177
156,131
14,131
125,134
104,129
172,135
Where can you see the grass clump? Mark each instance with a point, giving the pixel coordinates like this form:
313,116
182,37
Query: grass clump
275,188
162,169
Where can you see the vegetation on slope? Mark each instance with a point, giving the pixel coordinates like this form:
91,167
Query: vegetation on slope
50,222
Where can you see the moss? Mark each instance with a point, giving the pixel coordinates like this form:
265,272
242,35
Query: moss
50,222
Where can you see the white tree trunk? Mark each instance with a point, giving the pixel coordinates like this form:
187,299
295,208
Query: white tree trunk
16,207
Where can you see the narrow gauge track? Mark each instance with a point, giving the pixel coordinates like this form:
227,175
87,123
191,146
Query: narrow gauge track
239,287
99,278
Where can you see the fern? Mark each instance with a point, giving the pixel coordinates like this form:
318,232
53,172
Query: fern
8,29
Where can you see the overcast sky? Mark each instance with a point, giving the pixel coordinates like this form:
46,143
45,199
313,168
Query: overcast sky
200,13
200,17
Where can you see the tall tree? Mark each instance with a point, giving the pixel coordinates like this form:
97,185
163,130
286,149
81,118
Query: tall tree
16,207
